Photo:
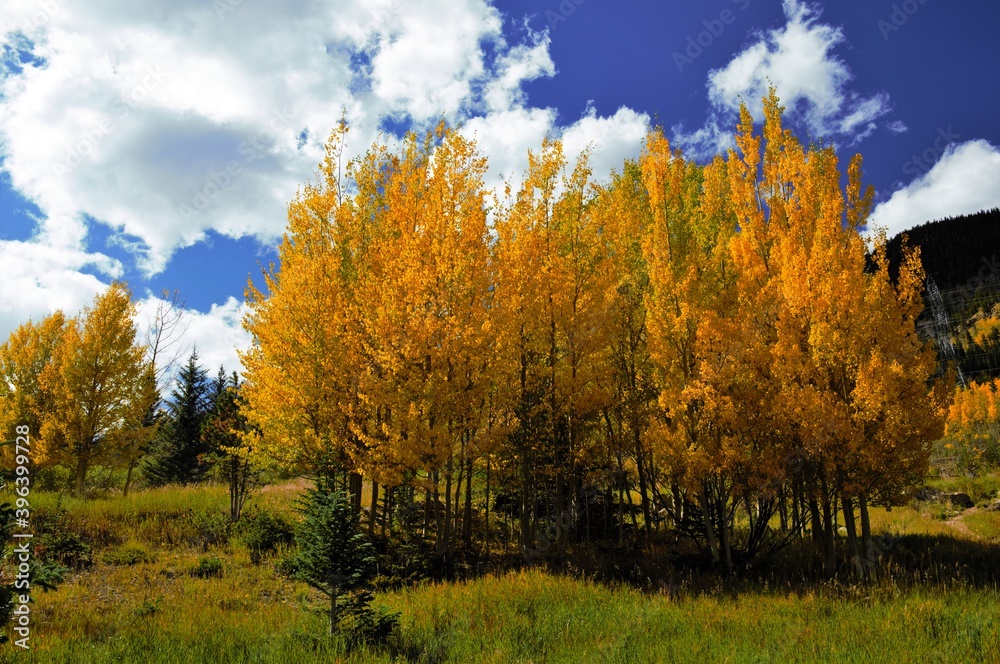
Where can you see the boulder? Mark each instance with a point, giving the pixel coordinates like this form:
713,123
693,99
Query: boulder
959,499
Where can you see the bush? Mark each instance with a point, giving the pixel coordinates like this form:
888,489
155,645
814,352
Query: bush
361,624
263,532
212,528
57,543
288,566
207,567
403,561
130,553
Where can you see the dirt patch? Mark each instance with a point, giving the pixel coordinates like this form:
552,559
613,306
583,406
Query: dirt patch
957,522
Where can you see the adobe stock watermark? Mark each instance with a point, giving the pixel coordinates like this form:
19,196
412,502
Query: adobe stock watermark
561,13
714,27
223,7
87,145
921,163
899,17
47,10
219,179
383,16
22,551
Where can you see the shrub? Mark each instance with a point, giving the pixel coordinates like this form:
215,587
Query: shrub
57,543
362,624
334,557
263,533
212,528
208,567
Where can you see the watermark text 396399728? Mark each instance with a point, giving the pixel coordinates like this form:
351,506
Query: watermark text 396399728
22,537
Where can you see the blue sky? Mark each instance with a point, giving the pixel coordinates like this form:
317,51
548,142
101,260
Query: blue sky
159,141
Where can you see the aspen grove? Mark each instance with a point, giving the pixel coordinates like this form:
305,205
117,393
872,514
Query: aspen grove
712,351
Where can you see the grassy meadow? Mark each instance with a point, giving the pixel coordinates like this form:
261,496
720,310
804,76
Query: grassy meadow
148,595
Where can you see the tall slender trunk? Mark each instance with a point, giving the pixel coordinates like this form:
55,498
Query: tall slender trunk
782,509
706,511
487,504
373,510
234,488
816,529
128,478
81,476
829,544
456,506
727,549
796,514
678,504
355,486
526,540
852,537
447,509
387,508
562,517
467,512
427,510
621,501
641,471
866,533
438,516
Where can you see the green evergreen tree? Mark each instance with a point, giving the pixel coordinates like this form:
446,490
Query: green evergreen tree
334,556
179,453
229,452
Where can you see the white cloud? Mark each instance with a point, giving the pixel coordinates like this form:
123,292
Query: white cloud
524,62
611,139
432,56
132,113
812,83
898,127
216,334
164,119
965,180
36,280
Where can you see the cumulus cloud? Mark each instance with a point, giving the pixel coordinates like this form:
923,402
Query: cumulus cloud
218,335
965,180
37,279
165,119
799,60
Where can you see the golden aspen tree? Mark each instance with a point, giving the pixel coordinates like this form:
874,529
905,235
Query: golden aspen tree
101,388
898,405
23,359
297,383
690,303
972,428
623,213
422,299
840,335
552,298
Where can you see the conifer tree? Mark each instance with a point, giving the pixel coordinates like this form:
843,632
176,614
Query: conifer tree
334,557
180,450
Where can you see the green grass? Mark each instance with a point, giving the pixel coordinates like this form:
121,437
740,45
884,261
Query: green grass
140,602
518,617
982,488
985,524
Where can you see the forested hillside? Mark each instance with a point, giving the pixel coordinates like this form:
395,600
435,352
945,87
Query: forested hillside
961,256
955,250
